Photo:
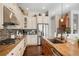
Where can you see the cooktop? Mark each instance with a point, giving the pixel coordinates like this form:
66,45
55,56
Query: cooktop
7,41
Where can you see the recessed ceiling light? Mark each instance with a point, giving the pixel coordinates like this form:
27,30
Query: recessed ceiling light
44,7
67,6
27,8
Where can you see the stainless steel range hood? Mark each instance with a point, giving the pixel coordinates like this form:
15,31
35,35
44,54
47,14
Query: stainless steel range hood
9,17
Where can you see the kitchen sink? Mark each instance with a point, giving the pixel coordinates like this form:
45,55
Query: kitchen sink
56,41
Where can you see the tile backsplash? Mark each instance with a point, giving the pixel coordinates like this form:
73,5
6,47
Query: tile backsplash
6,33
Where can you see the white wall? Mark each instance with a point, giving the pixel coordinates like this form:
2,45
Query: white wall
1,16
51,24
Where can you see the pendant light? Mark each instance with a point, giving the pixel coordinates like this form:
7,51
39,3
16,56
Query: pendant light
61,21
61,13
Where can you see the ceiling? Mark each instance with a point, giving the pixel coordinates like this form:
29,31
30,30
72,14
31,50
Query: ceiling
55,8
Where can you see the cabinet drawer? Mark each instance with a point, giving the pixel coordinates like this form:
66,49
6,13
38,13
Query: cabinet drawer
56,53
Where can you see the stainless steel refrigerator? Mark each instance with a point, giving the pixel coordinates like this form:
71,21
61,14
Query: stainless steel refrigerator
42,30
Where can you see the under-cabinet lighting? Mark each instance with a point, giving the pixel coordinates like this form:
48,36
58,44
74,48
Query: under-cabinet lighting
11,15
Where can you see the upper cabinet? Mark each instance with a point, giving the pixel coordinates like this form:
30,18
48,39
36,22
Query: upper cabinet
31,23
42,19
1,16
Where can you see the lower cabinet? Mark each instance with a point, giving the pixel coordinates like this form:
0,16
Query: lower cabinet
31,39
18,50
56,53
46,48
49,50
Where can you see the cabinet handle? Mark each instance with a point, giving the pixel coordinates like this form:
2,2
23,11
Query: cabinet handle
12,53
19,49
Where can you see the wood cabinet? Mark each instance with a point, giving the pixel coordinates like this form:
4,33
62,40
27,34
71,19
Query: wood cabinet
46,48
49,50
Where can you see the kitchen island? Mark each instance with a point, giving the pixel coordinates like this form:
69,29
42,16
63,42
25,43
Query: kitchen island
61,49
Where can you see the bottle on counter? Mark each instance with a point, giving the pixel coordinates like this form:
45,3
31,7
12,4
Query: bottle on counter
17,33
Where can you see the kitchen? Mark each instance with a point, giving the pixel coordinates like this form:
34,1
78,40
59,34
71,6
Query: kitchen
39,29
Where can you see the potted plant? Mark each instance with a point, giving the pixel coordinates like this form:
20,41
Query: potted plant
67,30
78,42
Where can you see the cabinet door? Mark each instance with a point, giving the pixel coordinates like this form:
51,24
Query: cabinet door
21,48
18,50
46,49
29,23
45,19
50,53
34,23
42,19
14,52
39,19
32,39
25,41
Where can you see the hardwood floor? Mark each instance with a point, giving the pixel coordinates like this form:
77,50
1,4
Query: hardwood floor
33,51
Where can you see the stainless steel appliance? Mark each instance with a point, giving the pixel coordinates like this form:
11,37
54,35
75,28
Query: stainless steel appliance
42,30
